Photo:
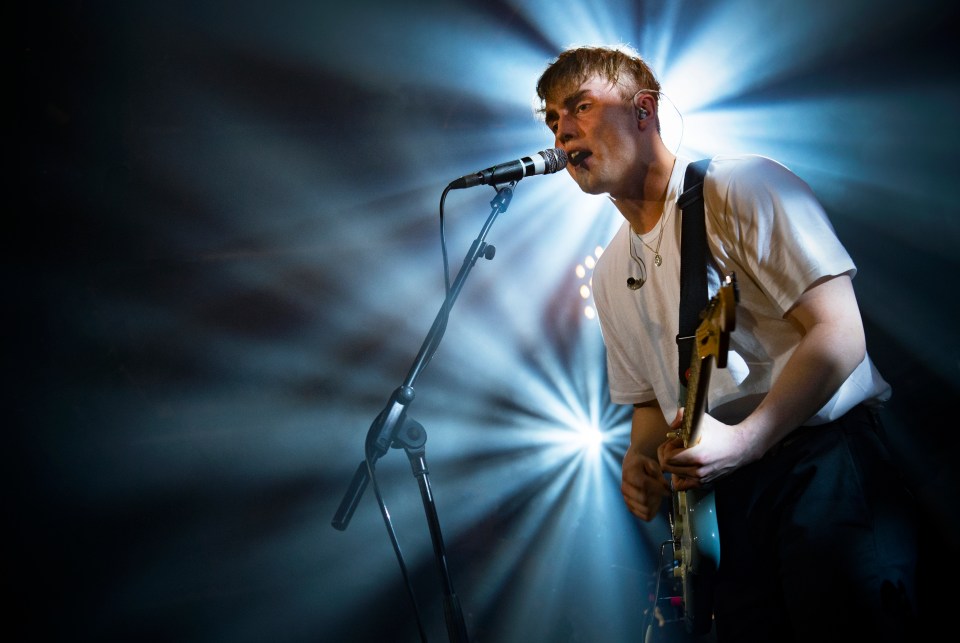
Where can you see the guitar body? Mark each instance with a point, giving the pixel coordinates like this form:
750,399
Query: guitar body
696,555
696,537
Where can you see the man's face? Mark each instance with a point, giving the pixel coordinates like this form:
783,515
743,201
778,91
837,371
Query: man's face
597,127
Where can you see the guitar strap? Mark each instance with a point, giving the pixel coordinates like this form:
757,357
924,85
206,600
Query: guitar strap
693,263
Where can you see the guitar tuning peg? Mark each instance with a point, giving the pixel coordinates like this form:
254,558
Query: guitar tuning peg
732,278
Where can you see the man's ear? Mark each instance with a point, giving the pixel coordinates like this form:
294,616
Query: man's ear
644,104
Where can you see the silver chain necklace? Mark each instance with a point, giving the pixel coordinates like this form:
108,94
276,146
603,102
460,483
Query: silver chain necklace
657,259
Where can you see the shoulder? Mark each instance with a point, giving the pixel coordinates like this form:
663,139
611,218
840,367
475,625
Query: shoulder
751,171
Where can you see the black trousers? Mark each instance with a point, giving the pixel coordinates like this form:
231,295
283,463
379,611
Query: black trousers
818,540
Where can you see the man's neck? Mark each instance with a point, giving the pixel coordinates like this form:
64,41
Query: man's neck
644,208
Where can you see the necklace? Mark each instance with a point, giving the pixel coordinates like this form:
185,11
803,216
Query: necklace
634,283
657,259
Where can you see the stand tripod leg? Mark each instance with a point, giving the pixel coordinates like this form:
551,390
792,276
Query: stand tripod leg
413,438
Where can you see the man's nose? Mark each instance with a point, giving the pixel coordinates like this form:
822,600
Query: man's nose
566,128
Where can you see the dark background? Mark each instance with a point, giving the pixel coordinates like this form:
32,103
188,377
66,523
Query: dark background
223,253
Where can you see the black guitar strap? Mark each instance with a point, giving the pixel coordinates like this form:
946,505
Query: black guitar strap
693,262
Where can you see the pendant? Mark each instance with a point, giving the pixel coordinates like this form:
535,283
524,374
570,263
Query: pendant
657,260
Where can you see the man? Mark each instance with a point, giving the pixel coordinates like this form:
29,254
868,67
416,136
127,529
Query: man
815,529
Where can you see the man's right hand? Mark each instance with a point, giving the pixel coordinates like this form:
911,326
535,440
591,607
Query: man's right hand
642,484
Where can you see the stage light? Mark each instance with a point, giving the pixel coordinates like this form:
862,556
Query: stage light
584,272
591,438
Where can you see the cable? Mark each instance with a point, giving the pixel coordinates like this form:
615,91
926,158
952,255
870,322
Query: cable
396,548
675,109
647,628
443,246
371,469
444,314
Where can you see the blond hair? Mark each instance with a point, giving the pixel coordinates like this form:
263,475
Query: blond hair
621,66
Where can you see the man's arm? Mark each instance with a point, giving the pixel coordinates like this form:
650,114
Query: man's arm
831,347
642,484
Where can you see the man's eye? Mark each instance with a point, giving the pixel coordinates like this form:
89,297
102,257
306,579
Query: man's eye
582,107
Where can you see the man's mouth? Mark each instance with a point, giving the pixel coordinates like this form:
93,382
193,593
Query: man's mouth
577,157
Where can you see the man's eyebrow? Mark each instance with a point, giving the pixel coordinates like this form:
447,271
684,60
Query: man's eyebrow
568,101
575,96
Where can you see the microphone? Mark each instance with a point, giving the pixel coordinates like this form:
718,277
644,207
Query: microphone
545,162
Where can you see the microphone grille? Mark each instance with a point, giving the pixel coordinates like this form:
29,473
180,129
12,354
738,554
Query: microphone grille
556,159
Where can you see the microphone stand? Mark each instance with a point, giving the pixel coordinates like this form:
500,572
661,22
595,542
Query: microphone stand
392,427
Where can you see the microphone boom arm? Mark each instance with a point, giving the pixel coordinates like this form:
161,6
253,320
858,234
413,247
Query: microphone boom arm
392,428
383,431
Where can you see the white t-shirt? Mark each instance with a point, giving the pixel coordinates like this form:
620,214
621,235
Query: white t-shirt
764,224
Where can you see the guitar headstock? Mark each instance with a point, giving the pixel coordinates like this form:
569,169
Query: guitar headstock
718,320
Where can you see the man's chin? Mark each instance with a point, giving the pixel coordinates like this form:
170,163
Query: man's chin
588,186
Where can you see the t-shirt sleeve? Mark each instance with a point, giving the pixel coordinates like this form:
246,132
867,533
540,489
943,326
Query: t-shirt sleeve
627,384
774,226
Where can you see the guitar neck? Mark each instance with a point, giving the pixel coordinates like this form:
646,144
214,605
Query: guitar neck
695,404
711,341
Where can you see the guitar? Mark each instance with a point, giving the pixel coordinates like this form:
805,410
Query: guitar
696,541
